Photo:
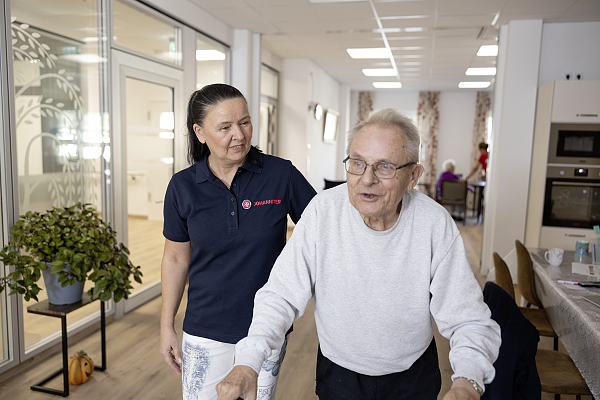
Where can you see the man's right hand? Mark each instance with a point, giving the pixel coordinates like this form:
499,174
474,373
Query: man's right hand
241,382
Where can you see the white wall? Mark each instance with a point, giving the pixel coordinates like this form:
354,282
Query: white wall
294,95
457,115
300,134
510,155
570,47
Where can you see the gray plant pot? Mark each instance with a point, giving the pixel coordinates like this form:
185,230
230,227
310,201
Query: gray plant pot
59,295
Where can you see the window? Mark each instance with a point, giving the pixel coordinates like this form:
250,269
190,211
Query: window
146,33
212,60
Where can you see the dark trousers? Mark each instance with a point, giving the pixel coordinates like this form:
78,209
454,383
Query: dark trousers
422,381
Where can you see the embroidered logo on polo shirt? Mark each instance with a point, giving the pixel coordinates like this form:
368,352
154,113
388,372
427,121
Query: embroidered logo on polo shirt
246,204
265,202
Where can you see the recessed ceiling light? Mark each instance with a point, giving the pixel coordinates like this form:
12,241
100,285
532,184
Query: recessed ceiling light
414,29
209,55
488,50
387,85
387,30
474,85
376,52
481,71
379,72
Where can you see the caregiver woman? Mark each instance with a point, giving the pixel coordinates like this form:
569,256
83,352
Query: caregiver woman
225,223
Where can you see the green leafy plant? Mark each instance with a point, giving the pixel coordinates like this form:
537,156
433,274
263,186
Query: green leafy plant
74,236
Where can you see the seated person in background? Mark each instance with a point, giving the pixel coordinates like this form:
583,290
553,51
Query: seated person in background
482,161
381,261
448,174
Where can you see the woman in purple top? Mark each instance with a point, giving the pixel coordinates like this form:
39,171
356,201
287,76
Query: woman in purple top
448,174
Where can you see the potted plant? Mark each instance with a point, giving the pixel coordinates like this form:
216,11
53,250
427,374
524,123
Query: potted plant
74,244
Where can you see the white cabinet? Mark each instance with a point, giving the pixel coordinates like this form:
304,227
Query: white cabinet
576,101
557,102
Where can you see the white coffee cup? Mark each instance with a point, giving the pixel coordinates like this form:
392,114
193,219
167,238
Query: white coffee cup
554,256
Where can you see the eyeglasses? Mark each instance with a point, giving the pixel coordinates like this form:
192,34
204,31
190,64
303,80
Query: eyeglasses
382,170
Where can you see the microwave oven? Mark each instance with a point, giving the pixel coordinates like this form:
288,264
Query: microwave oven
577,144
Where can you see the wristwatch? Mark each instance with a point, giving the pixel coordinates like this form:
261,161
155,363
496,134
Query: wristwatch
474,383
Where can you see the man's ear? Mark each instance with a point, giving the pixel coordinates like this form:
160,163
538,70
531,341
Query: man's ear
415,175
198,132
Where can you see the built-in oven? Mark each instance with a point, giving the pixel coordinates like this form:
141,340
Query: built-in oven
577,144
572,197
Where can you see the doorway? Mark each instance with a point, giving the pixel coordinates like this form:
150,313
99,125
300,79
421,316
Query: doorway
145,105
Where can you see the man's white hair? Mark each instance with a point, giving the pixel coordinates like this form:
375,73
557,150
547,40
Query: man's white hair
389,116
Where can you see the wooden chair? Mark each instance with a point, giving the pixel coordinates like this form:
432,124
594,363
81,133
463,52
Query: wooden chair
559,374
454,193
525,276
537,316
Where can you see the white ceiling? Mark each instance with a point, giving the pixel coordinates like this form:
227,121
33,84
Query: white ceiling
434,59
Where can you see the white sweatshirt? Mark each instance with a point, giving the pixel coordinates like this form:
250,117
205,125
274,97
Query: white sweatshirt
376,291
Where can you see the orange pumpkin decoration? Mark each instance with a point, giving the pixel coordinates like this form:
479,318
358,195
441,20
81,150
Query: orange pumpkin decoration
80,368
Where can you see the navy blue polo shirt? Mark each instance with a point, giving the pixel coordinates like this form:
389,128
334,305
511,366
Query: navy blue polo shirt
235,237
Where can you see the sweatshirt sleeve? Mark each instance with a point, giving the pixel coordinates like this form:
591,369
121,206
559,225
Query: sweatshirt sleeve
461,316
284,297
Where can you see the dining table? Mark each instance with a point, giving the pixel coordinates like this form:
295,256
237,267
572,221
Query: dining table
477,196
575,320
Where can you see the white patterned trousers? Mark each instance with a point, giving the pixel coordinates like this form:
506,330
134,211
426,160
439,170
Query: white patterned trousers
206,363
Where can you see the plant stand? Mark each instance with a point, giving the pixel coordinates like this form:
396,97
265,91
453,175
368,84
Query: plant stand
51,310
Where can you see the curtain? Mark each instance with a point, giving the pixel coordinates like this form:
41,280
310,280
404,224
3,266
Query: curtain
428,117
480,128
365,105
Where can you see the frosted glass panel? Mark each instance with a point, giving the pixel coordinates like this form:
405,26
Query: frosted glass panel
61,132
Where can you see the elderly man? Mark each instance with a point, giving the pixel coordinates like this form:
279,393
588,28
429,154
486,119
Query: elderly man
380,260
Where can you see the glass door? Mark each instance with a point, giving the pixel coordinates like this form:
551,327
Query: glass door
147,101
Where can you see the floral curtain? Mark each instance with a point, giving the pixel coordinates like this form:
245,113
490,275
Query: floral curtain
480,128
365,105
428,117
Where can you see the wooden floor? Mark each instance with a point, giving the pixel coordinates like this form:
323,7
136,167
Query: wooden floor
136,370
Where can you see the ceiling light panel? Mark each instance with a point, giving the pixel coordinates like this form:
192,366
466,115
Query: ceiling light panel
387,85
378,52
474,85
488,50
481,71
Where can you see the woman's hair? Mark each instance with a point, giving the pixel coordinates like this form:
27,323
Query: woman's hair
201,101
449,165
389,116
483,146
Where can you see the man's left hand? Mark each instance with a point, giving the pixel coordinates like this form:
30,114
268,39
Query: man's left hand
241,382
461,390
